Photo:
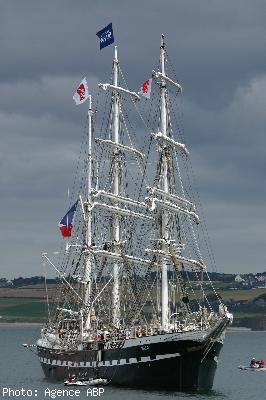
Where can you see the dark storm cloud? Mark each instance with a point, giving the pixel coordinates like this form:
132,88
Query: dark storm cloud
215,46
218,53
52,94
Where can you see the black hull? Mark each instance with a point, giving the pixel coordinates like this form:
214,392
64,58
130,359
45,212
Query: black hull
177,365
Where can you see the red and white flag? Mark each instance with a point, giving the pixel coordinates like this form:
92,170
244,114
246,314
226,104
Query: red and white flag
145,89
82,93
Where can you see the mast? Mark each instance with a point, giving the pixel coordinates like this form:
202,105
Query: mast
115,191
165,187
117,200
87,271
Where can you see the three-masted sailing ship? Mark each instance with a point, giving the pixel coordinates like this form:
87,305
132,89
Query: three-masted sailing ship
128,309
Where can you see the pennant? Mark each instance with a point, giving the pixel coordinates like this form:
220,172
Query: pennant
106,36
145,89
65,225
82,93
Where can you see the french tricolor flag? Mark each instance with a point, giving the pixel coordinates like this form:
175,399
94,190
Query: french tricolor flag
65,225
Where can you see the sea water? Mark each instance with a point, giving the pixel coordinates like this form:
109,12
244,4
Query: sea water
21,376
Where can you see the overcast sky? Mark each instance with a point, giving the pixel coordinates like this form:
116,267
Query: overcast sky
218,49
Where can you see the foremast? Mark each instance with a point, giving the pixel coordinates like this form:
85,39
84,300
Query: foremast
165,187
162,196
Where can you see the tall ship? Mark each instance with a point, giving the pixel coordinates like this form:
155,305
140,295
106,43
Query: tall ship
132,305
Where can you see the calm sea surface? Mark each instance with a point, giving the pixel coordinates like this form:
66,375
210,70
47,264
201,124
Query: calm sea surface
19,368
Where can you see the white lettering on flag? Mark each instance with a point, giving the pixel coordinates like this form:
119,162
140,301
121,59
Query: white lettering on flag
106,36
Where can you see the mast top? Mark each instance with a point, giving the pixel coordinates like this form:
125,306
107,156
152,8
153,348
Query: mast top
116,56
90,102
162,41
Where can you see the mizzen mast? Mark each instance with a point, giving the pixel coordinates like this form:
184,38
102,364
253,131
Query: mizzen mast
88,263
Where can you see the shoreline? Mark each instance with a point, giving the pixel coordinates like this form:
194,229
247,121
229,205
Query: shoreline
239,329
19,324
243,329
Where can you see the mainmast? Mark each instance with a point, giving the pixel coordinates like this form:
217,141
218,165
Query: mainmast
165,187
115,203
115,191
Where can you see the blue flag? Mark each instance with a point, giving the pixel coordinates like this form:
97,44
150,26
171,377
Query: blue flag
106,36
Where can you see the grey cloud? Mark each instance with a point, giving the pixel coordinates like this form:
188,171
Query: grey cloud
217,50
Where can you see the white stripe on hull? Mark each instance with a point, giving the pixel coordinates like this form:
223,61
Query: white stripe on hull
107,363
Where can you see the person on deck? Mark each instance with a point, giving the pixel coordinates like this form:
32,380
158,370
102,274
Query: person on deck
261,363
253,363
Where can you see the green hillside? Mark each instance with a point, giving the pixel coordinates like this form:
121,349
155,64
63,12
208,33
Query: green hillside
22,309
